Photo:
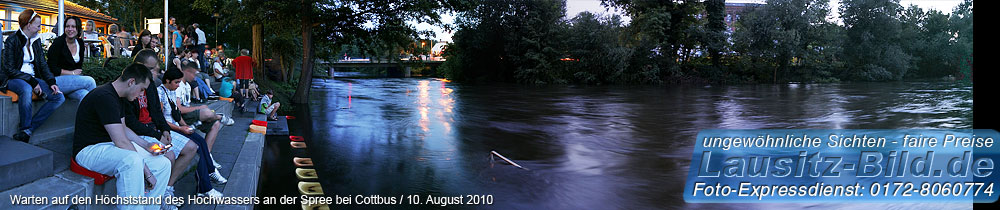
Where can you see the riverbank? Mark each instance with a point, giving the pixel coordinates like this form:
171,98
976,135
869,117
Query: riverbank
236,149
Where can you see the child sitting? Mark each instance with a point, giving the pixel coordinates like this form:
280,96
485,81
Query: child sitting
267,108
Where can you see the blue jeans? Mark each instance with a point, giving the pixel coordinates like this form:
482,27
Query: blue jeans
201,57
23,90
205,166
203,89
127,167
76,86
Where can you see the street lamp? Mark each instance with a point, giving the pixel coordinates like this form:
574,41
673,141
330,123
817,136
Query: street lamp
216,16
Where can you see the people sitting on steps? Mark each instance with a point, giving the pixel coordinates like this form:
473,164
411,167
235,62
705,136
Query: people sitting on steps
170,95
145,117
199,113
103,144
25,72
65,59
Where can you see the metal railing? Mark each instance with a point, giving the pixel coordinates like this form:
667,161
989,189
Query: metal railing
99,44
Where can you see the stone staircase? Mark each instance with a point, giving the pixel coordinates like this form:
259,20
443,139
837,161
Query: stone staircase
40,167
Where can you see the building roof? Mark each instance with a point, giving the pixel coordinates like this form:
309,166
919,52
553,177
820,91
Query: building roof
53,7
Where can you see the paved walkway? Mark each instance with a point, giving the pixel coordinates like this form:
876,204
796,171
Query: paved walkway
226,150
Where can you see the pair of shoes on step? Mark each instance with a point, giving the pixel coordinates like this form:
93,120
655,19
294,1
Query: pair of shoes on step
226,120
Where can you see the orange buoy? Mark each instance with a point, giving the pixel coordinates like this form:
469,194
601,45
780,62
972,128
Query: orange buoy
258,129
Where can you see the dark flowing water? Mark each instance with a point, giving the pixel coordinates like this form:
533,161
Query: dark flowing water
607,147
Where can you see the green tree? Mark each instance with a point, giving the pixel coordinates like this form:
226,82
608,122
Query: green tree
715,33
664,32
781,33
875,49
508,41
929,42
960,25
594,43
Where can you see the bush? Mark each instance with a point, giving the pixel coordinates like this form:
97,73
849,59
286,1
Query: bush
104,71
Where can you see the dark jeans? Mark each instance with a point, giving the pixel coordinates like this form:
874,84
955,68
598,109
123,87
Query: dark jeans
205,165
200,49
23,90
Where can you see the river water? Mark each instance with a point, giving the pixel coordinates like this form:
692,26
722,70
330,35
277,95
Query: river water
585,147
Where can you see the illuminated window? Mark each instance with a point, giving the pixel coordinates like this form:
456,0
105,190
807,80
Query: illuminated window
13,23
3,15
46,20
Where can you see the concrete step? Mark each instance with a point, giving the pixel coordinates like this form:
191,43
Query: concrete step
22,163
60,185
56,134
278,128
9,118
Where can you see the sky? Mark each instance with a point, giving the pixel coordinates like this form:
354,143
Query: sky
574,7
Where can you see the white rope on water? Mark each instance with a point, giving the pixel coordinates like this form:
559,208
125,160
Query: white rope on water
494,153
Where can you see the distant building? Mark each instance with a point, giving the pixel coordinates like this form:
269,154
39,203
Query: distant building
49,11
733,11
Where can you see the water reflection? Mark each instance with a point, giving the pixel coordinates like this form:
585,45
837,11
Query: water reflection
587,147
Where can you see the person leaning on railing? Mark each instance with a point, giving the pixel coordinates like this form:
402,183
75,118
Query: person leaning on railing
65,58
26,72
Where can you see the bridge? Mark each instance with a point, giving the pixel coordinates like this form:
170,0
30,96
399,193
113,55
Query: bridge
396,68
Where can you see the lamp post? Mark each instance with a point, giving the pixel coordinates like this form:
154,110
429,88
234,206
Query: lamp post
216,16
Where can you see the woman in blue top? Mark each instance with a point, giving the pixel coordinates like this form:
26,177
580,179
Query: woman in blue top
177,44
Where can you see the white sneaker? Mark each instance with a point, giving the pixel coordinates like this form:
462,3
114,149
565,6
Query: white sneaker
216,164
211,193
170,193
227,121
217,178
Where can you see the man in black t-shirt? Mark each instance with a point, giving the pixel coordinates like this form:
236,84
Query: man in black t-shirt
103,144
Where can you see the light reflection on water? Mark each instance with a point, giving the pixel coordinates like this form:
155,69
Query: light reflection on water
587,147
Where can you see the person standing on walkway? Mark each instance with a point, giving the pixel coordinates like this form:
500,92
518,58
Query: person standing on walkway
103,144
199,46
65,60
25,72
244,71
177,40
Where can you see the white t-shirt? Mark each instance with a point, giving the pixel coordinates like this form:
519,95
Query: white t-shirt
201,36
26,65
184,94
164,94
218,67
76,56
